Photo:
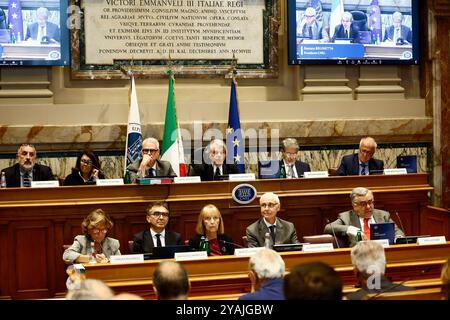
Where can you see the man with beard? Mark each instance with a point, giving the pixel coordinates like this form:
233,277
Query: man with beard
26,170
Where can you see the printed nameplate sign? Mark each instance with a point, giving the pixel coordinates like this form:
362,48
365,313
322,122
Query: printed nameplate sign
318,247
45,184
127,258
246,252
431,240
316,174
192,179
195,255
395,171
241,176
109,182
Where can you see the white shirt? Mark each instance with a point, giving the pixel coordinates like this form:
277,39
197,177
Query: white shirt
269,225
220,169
294,170
42,31
361,222
162,237
366,168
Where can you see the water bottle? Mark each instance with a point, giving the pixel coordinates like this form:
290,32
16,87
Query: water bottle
267,240
204,244
13,37
282,172
3,181
358,236
127,177
92,255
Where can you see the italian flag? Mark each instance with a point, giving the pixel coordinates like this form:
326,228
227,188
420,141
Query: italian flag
172,146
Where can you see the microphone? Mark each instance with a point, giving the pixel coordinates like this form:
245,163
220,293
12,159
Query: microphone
232,243
334,234
401,225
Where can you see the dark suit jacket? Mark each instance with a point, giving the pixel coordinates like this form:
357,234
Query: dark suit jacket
271,289
40,173
350,166
225,248
52,31
285,233
163,169
339,33
300,166
206,171
74,179
143,242
350,218
385,286
405,33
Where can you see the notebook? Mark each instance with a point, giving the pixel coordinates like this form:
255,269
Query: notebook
384,230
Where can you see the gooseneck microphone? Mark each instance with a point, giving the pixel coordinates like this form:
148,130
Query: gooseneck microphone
334,234
401,225
232,243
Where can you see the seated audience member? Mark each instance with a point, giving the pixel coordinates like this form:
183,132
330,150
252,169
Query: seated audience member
26,170
369,263
170,281
293,167
360,218
309,28
281,231
94,227
361,163
445,277
91,289
346,30
266,271
149,164
210,228
87,170
42,29
127,296
157,235
398,30
312,281
217,152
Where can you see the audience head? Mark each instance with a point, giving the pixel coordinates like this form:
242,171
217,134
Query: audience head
289,150
41,16
158,216
150,151
96,225
270,205
362,202
397,18
310,15
445,278
87,161
347,19
217,152
91,289
127,296
367,148
313,281
209,221
26,156
170,281
264,265
368,260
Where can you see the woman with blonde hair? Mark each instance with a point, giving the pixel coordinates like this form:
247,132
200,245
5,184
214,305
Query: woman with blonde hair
93,245
210,229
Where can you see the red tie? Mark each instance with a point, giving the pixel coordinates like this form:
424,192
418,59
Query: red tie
366,228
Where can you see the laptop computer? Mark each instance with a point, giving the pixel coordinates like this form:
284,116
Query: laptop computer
383,230
168,252
288,247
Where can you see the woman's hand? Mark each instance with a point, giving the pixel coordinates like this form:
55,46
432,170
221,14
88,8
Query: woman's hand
101,258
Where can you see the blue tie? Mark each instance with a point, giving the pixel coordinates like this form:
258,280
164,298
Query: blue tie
150,172
26,179
363,169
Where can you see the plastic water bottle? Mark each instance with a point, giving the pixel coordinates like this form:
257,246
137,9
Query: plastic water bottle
282,172
92,255
127,177
204,244
267,240
3,181
358,236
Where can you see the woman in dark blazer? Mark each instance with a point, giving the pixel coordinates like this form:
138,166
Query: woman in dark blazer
87,170
210,227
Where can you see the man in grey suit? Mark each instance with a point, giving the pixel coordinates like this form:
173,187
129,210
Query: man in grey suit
281,231
363,214
148,165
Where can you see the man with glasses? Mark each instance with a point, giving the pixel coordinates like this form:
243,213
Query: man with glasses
156,235
349,223
26,170
309,28
294,168
361,163
280,231
149,165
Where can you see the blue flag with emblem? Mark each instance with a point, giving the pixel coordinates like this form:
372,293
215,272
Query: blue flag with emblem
15,22
235,143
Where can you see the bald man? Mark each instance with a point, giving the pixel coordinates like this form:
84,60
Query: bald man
170,281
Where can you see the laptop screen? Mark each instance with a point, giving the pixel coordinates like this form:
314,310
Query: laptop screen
168,252
384,230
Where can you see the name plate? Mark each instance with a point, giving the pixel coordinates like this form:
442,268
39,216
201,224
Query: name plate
192,179
383,242
431,240
241,176
395,171
45,184
195,255
318,247
109,182
127,258
316,174
246,252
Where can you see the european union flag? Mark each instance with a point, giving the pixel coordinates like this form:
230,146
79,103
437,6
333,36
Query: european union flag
15,22
235,143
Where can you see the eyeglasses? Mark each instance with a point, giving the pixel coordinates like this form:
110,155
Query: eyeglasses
364,203
158,214
366,151
149,150
96,230
86,162
269,205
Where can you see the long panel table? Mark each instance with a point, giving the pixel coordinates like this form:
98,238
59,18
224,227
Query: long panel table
36,223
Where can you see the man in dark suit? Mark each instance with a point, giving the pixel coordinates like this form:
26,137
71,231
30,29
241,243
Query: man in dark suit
292,167
217,166
397,30
346,30
349,223
361,163
26,170
156,235
369,263
266,275
43,29
149,164
280,231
